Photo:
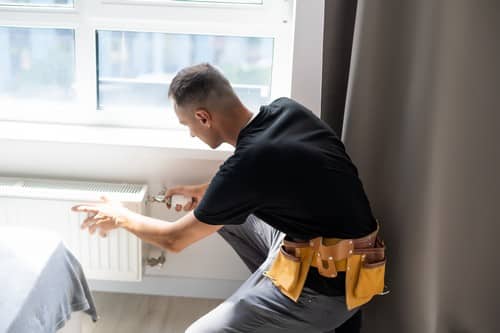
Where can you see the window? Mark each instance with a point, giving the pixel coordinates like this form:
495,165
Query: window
110,62
37,64
135,68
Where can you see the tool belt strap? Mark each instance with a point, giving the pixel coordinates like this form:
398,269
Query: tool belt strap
363,260
330,254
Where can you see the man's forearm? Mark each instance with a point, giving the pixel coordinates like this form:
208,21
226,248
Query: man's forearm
151,230
173,236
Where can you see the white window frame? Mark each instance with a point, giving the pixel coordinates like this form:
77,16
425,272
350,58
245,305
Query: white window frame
271,19
200,3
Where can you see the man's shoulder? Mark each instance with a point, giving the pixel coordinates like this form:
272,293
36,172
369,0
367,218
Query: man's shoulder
286,108
256,150
285,102
254,155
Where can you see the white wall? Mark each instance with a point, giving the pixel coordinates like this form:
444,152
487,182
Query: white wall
163,166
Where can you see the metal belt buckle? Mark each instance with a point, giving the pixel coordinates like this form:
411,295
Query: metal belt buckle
385,291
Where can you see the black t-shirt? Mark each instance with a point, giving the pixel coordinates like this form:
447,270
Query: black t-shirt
291,170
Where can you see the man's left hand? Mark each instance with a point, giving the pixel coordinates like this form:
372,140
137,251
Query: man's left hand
105,215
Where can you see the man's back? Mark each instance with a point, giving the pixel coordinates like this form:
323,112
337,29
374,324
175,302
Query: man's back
291,170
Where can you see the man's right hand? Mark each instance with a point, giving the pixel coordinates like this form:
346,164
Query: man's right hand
194,192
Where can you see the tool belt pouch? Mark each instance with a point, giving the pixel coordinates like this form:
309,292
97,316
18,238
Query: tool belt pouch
365,274
289,270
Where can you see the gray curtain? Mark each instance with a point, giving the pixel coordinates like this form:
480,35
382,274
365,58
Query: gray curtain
422,123
340,18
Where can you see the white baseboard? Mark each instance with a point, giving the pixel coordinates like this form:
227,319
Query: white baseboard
168,286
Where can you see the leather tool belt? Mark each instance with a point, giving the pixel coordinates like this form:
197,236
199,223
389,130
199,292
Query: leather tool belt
363,260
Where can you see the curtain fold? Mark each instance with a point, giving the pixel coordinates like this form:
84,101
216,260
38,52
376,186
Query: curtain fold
422,123
340,17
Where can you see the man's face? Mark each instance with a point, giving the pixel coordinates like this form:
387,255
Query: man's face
199,123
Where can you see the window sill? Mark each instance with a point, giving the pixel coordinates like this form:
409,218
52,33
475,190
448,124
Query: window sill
178,141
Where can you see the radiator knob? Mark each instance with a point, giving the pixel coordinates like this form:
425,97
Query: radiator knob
156,261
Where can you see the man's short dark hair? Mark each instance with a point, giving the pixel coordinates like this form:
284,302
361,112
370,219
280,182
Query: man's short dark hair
195,85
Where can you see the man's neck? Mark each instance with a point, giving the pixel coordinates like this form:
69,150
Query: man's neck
238,121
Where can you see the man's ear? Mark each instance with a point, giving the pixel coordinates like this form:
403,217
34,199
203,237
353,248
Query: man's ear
204,117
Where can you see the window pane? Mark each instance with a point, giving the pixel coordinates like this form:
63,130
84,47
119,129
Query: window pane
36,64
135,68
65,3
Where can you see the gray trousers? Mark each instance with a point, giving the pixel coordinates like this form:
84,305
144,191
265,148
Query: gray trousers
259,306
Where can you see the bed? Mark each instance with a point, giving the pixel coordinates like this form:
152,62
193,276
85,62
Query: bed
41,282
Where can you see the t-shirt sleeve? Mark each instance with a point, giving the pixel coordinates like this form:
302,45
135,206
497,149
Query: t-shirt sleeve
232,194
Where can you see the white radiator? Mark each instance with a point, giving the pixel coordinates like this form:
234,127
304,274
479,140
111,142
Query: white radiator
46,204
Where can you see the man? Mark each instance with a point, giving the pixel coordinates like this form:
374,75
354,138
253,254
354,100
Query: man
289,176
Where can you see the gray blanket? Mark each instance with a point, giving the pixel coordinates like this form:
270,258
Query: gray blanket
41,282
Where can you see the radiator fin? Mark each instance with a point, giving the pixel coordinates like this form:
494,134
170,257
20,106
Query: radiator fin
83,186
8,182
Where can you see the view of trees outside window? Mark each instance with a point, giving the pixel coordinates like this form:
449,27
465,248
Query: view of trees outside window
135,68
38,2
37,64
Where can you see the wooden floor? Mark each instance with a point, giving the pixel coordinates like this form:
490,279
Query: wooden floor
127,313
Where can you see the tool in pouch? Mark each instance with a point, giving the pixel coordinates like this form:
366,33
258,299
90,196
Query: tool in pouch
362,259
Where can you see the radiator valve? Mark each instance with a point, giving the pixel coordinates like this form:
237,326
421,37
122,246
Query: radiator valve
156,261
173,201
